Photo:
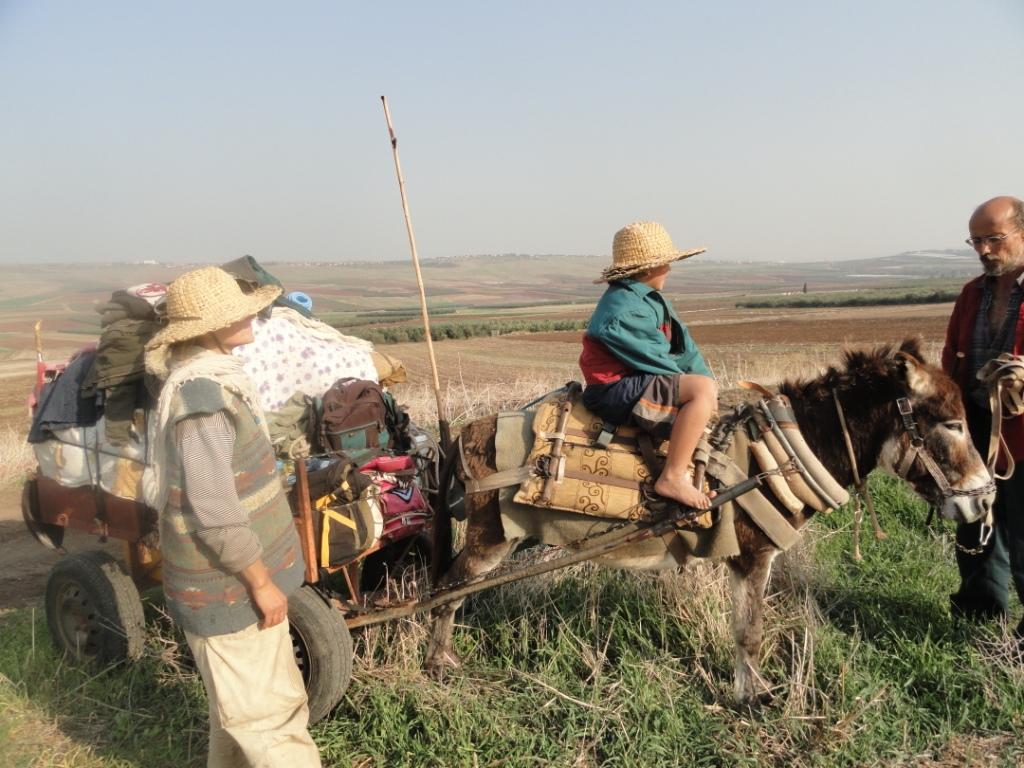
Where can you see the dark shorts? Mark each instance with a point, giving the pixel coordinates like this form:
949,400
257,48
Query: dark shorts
649,401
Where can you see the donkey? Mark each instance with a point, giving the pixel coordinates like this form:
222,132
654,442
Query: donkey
929,447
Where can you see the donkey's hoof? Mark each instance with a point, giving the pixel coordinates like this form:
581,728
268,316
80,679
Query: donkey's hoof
437,665
765,698
755,701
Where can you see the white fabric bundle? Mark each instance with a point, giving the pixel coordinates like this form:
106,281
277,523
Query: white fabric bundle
292,353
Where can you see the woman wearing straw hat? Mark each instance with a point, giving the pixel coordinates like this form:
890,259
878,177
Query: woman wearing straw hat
639,361
230,552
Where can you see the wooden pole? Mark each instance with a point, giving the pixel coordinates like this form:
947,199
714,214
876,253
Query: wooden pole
40,364
307,539
631,533
442,421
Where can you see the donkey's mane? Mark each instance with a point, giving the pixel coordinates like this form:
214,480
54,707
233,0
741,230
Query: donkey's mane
876,368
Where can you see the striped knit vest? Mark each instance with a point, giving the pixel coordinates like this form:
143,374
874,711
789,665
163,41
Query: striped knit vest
201,598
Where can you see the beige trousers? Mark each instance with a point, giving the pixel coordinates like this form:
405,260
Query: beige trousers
258,712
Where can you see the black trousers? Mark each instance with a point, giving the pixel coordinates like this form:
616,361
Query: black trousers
985,577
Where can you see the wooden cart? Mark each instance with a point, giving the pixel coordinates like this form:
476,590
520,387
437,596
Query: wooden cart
93,605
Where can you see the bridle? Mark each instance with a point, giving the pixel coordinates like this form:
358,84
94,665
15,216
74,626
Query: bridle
917,451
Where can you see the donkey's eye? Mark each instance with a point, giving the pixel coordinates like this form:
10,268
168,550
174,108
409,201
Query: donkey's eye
954,426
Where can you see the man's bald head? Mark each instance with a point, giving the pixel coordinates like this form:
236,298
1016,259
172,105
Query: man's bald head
997,234
1000,210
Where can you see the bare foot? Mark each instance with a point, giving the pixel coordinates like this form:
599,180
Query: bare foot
682,491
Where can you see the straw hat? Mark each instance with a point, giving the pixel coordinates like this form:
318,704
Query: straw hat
640,246
205,300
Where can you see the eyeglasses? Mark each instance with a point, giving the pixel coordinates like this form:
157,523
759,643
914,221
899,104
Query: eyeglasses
992,240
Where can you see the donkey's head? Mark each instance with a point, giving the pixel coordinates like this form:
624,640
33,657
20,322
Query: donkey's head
928,444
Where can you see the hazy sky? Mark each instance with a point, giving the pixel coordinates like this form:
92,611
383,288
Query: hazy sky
200,131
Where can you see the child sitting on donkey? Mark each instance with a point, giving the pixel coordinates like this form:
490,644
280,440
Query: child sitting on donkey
638,359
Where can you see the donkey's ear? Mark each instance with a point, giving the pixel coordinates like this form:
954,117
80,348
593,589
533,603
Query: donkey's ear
919,378
911,347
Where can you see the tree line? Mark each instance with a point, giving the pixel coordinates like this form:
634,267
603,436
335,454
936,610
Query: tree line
863,300
397,334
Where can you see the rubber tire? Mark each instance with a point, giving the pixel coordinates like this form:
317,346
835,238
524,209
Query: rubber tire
93,609
323,650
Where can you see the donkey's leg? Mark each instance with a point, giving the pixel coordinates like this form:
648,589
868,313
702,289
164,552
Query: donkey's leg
749,578
485,549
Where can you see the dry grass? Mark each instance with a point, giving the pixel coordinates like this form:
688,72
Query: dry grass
16,456
471,389
464,403
30,737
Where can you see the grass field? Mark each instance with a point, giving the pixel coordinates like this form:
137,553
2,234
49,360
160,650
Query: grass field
585,667
592,667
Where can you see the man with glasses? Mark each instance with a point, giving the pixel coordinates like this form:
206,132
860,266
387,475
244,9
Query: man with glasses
988,320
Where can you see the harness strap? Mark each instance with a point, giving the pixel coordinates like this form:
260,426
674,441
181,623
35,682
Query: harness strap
762,512
614,438
651,458
996,441
847,440
503,479
573,388
811,481
514,476
607,434
462,459
909,456
553,435
860,483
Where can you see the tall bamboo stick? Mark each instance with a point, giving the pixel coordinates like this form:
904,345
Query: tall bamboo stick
442,421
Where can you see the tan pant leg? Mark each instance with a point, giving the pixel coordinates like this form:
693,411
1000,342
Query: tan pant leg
258,712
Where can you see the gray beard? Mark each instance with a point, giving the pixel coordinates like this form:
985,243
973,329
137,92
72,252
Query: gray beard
998,270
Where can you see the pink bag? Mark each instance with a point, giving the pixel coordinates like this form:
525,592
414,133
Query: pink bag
405,510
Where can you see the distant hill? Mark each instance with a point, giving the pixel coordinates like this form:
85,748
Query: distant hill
73,290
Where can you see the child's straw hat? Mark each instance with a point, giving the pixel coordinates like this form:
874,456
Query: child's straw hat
640,246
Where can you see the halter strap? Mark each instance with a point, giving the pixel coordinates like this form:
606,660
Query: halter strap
846,438
916,451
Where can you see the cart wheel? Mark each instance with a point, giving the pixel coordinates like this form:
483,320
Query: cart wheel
323,650
93,609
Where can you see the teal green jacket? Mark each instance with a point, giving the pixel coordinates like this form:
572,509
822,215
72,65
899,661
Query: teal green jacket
634,323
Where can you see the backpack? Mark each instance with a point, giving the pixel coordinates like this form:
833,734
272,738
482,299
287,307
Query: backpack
353,418
348,515
404,510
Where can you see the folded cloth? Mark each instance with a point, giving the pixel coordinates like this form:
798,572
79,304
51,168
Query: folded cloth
62,404
290,427
120,356
389,368
247,270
